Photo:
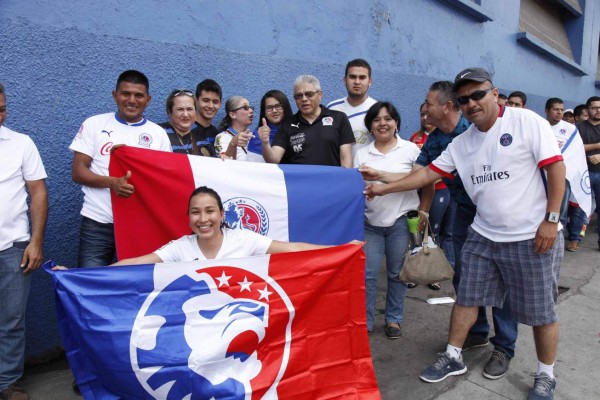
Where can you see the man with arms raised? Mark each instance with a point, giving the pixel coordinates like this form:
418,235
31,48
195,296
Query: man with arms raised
91,155
357,80
314,135
513,244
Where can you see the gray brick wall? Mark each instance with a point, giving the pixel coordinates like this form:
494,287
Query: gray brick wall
543,19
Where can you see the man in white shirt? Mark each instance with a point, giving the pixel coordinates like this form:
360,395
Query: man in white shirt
91,149
21,171
357,80
513,244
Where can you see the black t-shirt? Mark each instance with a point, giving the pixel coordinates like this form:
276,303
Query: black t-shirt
317,143
590,134
204,142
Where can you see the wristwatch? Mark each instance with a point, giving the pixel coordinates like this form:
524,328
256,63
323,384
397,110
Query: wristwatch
552,217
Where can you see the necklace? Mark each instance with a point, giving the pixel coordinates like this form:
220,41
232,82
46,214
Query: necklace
183,144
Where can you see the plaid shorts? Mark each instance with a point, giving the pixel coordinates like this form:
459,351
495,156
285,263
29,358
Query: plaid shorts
492,272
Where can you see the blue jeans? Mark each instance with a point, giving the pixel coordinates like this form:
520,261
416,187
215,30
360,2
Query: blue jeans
14,291
392,242
595,185
505,327
96,244
441,218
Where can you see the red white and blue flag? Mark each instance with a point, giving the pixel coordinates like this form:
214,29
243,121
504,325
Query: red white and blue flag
285,326
299,203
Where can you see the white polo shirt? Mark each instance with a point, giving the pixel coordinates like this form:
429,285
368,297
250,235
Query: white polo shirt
501,170
383,211
20,161
237,243
95,138
356,116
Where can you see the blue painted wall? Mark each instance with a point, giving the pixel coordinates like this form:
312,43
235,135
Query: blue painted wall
60,60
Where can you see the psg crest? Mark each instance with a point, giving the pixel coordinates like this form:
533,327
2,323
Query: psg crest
245,213
219,332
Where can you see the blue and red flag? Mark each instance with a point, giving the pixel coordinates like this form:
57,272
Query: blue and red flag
299,203
285,326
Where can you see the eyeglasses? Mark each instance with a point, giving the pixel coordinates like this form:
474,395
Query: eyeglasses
476,95
245,107
273,108
178,92
309,95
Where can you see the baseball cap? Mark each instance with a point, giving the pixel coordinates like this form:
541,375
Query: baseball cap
569,110
469,75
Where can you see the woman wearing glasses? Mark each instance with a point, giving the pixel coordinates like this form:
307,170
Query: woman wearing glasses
233,140
275,108
181,109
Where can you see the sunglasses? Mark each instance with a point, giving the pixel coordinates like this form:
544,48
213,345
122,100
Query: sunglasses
309,95
178,92
245,107
475,96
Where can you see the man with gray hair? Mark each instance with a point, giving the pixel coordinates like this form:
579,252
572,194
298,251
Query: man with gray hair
314,135
21,171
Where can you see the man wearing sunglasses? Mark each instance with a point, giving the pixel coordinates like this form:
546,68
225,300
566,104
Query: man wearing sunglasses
91,149
513,244
314,135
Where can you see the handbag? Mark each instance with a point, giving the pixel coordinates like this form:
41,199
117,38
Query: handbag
428,264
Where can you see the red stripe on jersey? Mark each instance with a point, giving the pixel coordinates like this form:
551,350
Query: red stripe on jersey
550,160
441,172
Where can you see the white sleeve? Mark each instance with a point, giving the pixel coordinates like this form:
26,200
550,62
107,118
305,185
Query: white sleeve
445,164
84,139
33,168
165,143
541,141
222,141
174,251
257,244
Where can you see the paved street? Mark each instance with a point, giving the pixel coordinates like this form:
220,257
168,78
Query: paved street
399,362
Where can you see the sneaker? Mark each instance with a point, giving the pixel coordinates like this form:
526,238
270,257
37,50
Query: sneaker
573,245
14,393
497,366
443,367
410,285
474,341
393,331
435,286
543,387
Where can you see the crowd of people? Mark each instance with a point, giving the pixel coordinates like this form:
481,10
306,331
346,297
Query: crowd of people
474,147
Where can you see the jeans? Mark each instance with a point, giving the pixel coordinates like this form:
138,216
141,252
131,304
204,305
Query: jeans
595,185
14,291
441,218
505,327
96,244
392,242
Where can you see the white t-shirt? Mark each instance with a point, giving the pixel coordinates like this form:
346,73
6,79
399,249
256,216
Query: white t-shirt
20,161
383,211
222,141
237,243
95,138
501,172
563,131
356,116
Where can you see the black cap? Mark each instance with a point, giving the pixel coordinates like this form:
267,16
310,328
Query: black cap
470,74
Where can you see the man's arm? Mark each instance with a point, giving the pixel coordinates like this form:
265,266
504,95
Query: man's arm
547,231
32,256
272,154
591,147
346,155
414,180
80,171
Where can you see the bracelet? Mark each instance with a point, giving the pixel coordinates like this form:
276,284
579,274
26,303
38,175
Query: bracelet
424,212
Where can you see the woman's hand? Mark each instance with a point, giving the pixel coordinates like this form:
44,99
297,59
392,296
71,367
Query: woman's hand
368,173
264,132
59,268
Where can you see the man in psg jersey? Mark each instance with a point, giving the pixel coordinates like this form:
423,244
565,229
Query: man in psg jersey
513,251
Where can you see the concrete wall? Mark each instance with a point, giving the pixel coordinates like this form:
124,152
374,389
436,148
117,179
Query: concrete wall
60,60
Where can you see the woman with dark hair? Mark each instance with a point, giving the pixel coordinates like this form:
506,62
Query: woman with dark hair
386,231
213,239
233,140
181,109
275,109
